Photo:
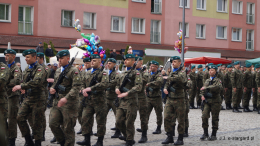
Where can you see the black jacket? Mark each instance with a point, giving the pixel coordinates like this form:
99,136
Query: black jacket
49,52
113,55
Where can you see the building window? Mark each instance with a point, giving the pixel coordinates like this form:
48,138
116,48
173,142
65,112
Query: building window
250,19
141,1
200,31
201,4
25,20
221,32
250,40
67,18
237,7
187,3
187,28
118,24
236,34
5,13
156,6
222,6
89,20
138,25
155,36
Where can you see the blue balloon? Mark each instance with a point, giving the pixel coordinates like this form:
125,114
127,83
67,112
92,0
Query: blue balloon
105,56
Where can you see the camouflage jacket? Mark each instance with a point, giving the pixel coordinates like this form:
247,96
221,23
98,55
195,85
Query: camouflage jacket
205,76
155,82
141,93
254,77
200,79
236,78
134,87
214,89
4,80
110,91
220,75
227,80
248,79
35,88
193,78
98,94
48,71
257,79
71,83
179,80
15,79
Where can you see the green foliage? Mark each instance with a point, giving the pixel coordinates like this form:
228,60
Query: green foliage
121,65
107,53
45,46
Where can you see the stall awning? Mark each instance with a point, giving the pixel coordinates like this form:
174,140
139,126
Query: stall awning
205,60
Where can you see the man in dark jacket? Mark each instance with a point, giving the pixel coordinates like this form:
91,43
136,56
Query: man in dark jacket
113,54
39,48
49,52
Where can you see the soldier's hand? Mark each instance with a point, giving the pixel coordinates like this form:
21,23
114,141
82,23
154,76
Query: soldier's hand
147,84
17,87
52,91
123,95
225,89
50,80
85,94
245,89
202,98
22,91
88,89
253,89
235,89
203,88
118,91
165,77
62,102
259,89
165,91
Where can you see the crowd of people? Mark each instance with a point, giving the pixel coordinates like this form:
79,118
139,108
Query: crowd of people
75,93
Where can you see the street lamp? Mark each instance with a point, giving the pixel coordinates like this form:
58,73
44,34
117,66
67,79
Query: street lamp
183,32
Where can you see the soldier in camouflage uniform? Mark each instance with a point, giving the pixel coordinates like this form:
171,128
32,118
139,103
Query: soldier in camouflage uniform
95,94
175,104
248,85
255,91
228,87
200,79
206,73
13,97
142,101
212,102
128,105
34,103
192,91
220,75
65,108
257,80
236,81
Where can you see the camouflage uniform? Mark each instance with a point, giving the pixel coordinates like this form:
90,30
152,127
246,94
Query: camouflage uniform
257,80
220,75
34,103
96,104
13,100
206,76
228,85
200,79
248,83
68,113
236,81
213,105
155,97
254,92
192,91
127,110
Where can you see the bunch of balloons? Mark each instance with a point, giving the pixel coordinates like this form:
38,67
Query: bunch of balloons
77,26
178,44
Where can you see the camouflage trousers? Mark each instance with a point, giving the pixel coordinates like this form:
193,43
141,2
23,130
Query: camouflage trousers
87,118
187,110
174,107
192,95
247,97
111,105
13,106
36,109
142,108
255,97
228,96
198,97
125,119
258,100
62,122
4,113
236,97
214,108
157,104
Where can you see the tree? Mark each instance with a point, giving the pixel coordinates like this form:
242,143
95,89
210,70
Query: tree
121,65
107,53
45,46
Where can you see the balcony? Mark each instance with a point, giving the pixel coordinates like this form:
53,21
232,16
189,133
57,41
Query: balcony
250,45
250,18
25,27
155,37
157,8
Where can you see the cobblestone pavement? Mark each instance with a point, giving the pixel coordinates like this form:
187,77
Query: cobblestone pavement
235,129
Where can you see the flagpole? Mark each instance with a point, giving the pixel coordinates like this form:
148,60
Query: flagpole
183,33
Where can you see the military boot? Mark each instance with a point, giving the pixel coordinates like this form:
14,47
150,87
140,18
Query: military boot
259,111
198,105
179,140
80,131
205,136
99,141
246,109
255,108
121,137
236,110
113,128
95,134
86,140
62,143
222,108
213,135
43,136
158,130
32,135
173,130
53,140
192,106
139,130
186,134
239,107
38,143
144,137
169,138
117,134
28,140
130,142
12,142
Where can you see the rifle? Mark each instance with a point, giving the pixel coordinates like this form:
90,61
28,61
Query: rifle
144,68
149,89
207,95
58,87
93,82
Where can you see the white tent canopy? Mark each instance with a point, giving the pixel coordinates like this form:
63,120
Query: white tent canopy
73,52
